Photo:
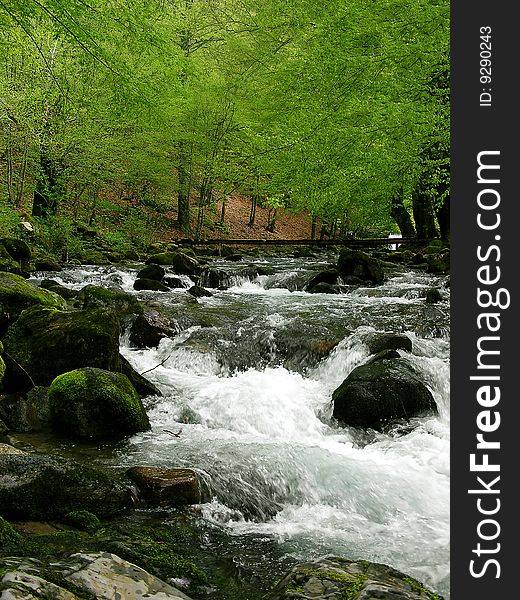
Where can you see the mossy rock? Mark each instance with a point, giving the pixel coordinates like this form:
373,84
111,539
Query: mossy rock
2,371
7,262
26,413
95,296
360,265
17,248
8,535
37,486
83,519
98,404
44,343
17,294
335,578
161,258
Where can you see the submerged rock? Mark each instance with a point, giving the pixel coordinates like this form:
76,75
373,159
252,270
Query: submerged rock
98,404
150,328
382,391
37,486
199,292
167,487
151,271
151,285
142,386
333,578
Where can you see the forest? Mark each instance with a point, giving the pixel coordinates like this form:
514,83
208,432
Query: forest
114,114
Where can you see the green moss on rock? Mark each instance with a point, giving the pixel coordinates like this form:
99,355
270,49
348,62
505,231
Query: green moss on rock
94,403
44,343
8,535
83,519
17,294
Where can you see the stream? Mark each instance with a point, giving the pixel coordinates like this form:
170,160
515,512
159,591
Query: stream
247,385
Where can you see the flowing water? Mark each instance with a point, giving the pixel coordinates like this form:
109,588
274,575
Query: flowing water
247,387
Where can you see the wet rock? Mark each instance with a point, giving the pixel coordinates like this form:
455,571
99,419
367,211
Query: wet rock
61,290
44,343
215,278
383,355
388,341
355,263
185,264
150,284
26,412
173,282
99,576
17,248
438,263
17,294
333,578
377,393
324,288
150,328
167,487
433,295
95,296
235,257
46,262
38,486
97,404
198,292
8,263
142,386
160,258
151,271
330,277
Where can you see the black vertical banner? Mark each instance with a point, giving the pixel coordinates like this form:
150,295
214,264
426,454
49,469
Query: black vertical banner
485,356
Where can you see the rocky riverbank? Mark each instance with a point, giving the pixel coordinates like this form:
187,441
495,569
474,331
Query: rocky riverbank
69,528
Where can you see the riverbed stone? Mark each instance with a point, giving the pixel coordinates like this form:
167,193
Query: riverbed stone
18,294
151,271
95,296
377,342
335,578
96,575
41,487
151,285
199,292
380,392
97,404
358,264
26,412
150,328
167,487
329,276
45,342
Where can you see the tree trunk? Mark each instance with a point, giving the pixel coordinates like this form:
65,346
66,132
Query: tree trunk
314,225
443,219
48,189
183,194
402,217
252,213
423,215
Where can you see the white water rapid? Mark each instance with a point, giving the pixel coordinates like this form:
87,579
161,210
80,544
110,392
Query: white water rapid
257,425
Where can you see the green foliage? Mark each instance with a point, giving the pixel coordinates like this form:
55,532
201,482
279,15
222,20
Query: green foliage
84,520
9,220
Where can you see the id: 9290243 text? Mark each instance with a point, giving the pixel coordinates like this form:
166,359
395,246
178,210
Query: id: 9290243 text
485,66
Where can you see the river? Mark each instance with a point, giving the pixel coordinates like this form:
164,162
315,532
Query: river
247,387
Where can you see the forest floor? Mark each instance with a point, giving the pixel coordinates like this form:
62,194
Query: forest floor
289,225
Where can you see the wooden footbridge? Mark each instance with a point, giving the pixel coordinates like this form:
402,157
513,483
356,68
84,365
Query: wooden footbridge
348,242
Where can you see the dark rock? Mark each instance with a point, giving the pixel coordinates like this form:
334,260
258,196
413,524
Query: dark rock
433,295
324,288
34,486
97,404
198,292
160,258
386,390
377,342
173,282
383,355
334,578
438,263
170,487
45,342
330,277
26,413
359,264
45,262
150,328
142,386
8,263
215,278
150,284
235,257
132,255
185,264
95,296
18,249
17,294
151,271
61,290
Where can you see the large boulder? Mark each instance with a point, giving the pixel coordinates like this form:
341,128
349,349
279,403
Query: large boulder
333,578
17,294
330,277
7,262
359,266
26,412
142,386
150,328
151,285
37,486
95,296
97,404
151,271
380,392
17,248
45,342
